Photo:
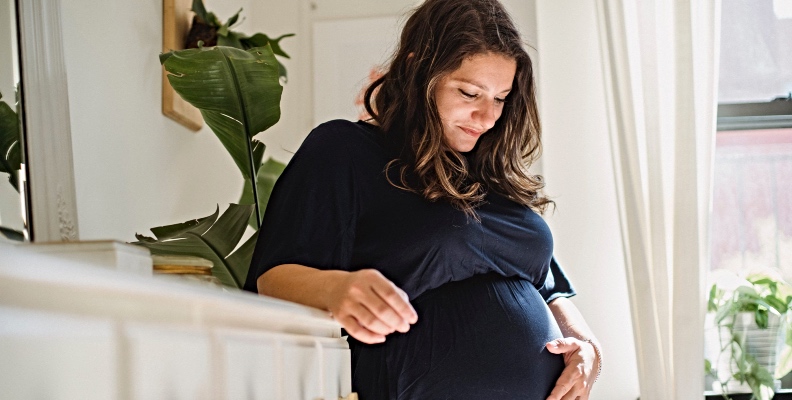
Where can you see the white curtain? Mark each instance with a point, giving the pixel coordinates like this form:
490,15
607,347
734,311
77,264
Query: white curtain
660,61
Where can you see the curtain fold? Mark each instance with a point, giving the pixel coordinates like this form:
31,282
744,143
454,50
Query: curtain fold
660,60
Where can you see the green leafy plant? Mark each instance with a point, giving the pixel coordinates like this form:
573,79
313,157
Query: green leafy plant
268,173
763,296
10,145
238,93
211,238
10,155
207,28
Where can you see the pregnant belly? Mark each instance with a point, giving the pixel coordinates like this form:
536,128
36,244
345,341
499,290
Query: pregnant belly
480,338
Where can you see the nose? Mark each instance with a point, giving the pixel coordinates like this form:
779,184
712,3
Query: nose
486,114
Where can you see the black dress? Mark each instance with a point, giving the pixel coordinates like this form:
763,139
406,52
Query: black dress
480,289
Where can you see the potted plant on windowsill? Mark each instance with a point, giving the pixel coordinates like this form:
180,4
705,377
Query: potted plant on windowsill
748,336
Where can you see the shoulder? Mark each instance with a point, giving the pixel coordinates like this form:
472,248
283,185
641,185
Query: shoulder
339,145
341,136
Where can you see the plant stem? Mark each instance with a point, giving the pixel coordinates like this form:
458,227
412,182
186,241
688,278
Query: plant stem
254,182
249,144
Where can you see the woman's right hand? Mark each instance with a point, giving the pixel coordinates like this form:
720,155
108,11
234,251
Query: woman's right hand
369,306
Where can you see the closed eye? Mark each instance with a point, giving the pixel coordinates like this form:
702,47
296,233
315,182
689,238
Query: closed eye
468,95
473,96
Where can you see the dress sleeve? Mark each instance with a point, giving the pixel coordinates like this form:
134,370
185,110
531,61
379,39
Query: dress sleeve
311,214
556,284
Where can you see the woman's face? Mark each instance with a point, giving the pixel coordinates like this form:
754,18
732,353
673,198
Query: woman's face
470,99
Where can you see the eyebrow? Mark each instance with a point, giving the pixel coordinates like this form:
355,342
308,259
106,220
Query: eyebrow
479,85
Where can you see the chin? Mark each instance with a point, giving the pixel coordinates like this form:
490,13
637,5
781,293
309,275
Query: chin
465,147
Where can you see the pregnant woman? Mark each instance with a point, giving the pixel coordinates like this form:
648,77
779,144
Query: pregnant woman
419,230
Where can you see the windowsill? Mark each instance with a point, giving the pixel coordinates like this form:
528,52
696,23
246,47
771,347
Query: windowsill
783,394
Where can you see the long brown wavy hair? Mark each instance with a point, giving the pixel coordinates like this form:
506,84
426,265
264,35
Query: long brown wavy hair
437,37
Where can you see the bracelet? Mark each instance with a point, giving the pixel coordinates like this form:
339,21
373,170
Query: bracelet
599,355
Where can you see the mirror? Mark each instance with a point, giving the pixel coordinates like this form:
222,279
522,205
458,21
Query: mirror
12,175
50,206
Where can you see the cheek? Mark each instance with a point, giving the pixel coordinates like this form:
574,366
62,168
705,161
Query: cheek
445,108
452,110
499,113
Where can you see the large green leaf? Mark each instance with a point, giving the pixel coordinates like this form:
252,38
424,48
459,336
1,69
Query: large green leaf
200,225
230,39
261,39
211,238
267,174
784,365
14,234
207,17
238,92
239,262
233,20
10,151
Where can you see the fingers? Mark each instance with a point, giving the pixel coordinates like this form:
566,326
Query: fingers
359,332
396,299
571,396
370,319
385,302
366,303
568,392
564,345
566,385
573,382
384,312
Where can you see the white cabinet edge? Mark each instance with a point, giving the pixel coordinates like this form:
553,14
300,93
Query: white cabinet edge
46,282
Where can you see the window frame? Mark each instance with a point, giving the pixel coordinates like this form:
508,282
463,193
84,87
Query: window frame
774,114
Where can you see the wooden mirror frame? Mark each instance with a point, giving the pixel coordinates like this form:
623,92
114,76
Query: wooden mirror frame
51,198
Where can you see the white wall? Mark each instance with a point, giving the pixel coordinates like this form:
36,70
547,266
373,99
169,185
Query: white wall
577,167
134,167
276,18
297,105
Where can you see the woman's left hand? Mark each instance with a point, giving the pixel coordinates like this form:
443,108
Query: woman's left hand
580,372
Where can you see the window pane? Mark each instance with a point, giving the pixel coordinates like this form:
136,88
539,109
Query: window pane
752,201
756,50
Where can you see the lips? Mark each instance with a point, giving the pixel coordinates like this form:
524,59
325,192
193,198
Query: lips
471,132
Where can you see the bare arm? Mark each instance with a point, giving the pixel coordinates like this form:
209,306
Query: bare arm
300,284
581,359
570,320
364,302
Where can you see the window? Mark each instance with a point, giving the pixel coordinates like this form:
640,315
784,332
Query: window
752,200
752,183
752,186
755,89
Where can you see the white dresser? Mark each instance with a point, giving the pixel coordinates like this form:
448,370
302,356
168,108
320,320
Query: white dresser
72,330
